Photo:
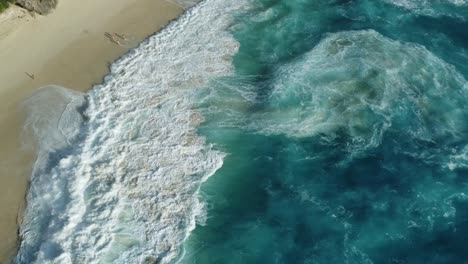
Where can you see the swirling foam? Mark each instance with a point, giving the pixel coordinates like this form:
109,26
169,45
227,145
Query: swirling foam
126,191
361,83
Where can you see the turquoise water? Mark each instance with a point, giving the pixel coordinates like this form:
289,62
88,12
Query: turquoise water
346,129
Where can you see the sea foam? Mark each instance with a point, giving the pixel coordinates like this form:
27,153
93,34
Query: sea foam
353,84
121,184
362,84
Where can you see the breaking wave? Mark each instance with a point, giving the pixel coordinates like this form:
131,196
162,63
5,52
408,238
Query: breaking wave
119,168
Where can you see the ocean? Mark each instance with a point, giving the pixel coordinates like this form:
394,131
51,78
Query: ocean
263,131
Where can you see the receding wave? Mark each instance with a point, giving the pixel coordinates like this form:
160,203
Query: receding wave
118,173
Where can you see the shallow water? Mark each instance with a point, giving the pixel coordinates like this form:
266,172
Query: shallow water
268,131
117,178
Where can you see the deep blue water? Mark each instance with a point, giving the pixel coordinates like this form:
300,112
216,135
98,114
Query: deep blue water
346,128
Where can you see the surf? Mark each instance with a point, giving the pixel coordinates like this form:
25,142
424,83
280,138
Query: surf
125,189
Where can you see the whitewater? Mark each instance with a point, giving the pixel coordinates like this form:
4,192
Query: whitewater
119,168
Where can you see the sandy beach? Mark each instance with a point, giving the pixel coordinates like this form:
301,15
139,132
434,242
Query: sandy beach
68,47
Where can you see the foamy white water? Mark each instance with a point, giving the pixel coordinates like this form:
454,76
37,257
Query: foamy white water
122,187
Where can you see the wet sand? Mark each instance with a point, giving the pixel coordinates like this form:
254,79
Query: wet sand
67,48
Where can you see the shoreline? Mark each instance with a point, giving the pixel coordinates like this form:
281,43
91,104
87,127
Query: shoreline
68,48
